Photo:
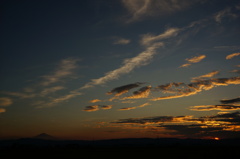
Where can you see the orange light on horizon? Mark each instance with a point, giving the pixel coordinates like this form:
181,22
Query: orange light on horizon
216,138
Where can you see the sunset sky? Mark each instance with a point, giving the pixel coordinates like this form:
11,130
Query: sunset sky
103,69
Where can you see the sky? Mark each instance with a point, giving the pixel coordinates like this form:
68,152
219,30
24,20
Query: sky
104,69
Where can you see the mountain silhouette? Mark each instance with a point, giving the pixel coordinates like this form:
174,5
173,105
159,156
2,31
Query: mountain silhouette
45,136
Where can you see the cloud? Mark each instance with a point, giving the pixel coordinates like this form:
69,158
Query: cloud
235,71
230,56
140,9
20,95
95,101
153,120
130,108
196,87
121,41
224,13
230,101
192,60
141,93
215,107
47,91
93,108
65,69
208,75
127,108
222,125
57,100
147,39
5,101
2,110
128,65
124,89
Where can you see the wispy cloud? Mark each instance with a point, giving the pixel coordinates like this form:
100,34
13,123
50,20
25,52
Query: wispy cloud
95,101
124,89
5,101
141,93
93,108
196,87
230,56
147,39
225,13
192,60
128,65
208,75
215,107
2,110
230,101
65,69
131,108
140,9
47,91
57,100
121,41
186,126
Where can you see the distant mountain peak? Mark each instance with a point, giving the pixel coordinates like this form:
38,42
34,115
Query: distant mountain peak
45,136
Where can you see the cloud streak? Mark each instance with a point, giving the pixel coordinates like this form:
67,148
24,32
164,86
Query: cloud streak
192,60
208,75
5,101
215,107
128,65
140,9
198,86
93,108
230,56
147,39
65,69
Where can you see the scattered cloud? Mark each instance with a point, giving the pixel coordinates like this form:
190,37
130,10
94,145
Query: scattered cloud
192,60
127,108
230,56
140,9
65,69
20,94
130,108
235,71
5,101
221,125
141,93
208,75
2,110
148,39
153,120
124,89
57,100
196,87
227,12
47,91
93,108
230,101
121,41
95,101
128,65
215,107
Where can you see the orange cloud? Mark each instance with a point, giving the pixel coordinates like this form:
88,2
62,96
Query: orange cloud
192,60
228,57
95,101
2,110
141,93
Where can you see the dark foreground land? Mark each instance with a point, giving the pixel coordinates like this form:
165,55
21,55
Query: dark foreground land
121,148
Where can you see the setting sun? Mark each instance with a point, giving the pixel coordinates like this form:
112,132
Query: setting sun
216,138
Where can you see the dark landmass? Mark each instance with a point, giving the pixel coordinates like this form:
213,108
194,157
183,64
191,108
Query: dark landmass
120,148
